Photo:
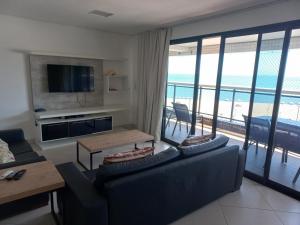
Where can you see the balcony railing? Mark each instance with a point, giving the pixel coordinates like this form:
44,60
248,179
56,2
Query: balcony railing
230,95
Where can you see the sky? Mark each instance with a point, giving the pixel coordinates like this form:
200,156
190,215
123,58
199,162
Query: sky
235,64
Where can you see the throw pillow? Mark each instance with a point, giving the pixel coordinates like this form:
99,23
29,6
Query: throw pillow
6,156
3,143
218,142
196,140
112,171
127,156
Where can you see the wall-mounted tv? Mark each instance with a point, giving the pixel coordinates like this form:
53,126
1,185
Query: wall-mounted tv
69,78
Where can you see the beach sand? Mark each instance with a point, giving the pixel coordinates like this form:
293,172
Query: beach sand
286,111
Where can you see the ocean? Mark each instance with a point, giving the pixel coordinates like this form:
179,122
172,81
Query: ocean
263,81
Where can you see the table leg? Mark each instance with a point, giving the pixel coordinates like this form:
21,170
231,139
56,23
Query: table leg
282,156
77,157
296,176
53,213
77,152
152,143
91,161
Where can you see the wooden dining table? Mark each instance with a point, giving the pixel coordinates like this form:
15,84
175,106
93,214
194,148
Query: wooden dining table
290,128
282,120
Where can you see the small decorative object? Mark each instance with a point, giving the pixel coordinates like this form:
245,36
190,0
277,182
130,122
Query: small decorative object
193,140
110,72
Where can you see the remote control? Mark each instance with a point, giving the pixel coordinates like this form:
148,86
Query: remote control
19,174
10,176
5,174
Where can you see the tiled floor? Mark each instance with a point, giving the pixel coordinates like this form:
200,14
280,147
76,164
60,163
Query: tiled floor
253,204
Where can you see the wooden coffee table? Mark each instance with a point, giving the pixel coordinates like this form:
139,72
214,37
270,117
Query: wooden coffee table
40,177
97,144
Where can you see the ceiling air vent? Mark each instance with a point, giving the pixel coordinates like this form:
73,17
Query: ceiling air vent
101,13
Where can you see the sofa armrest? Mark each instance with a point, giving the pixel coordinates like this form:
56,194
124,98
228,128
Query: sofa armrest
240,169
79,201
11,136
20,163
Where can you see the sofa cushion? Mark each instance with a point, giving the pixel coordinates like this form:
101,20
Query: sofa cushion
20,163
20,147
26,156
218,142
193,140
11,136
6,156
127,156
112,171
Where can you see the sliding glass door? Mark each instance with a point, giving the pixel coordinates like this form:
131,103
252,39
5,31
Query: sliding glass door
207,84
263,103
180,91
285,165
235,88
244,84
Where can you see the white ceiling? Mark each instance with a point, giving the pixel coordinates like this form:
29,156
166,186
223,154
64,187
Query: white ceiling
130,16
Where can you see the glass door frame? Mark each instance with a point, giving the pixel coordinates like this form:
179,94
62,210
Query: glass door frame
287,27
195,94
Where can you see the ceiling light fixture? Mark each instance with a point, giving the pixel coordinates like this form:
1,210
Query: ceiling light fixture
101,13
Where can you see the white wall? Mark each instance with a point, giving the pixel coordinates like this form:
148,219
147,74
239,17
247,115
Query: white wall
268,14
19,36
272,13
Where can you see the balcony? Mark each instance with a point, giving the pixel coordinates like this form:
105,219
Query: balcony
233,104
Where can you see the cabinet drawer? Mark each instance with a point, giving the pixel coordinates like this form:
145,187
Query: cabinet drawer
54,131
103,124
81,127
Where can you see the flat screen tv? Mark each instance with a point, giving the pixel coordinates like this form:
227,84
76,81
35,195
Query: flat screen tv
69,78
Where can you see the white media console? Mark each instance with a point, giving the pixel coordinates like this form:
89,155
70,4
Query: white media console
61,124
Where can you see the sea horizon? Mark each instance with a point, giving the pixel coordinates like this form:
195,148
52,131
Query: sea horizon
264,81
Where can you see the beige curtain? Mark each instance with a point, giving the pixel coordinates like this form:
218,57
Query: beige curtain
153,48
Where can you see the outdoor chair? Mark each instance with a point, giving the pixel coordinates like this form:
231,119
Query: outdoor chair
280,140
170,114
259,131
287,137
182,115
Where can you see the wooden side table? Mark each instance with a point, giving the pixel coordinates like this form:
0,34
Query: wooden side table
97,144
40,177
